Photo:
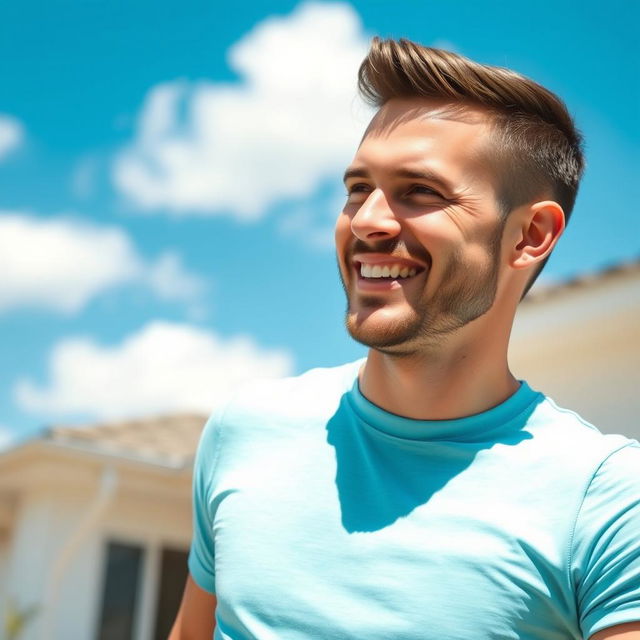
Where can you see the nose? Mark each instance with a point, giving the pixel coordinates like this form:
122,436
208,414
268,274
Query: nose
375,219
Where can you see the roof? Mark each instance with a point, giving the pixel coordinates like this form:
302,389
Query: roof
168,440
544,292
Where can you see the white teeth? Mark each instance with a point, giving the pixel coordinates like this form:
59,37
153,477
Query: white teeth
394,271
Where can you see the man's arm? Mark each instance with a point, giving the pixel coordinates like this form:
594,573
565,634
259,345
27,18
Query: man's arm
627,631
196,616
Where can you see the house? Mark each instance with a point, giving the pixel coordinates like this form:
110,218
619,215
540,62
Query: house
95,521
95,526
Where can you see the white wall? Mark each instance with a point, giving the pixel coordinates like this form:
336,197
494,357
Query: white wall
35,540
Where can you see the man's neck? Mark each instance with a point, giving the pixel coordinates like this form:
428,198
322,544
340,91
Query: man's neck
440,384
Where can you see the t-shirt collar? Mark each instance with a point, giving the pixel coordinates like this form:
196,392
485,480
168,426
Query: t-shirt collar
469,428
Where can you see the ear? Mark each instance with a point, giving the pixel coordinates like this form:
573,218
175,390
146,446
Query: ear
540,227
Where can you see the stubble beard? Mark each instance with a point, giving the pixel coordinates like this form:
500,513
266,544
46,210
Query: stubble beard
466,294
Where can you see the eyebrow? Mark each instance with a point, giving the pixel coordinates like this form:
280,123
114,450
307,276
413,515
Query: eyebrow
422,174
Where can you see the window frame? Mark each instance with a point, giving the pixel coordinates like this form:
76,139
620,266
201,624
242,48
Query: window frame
144,619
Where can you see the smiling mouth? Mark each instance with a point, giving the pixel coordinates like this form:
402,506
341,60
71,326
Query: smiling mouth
385,272
392,272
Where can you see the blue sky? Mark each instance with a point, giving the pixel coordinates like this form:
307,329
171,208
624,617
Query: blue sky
170,174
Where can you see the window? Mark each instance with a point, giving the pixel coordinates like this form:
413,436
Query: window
136,578
120,591
173,574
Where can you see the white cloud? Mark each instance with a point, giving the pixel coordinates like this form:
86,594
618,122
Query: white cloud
61,264
293,121
11,135
163,368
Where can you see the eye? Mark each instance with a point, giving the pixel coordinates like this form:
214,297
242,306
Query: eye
357,188
421,189
357,193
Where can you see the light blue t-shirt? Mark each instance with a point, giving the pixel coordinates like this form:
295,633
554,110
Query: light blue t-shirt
319,515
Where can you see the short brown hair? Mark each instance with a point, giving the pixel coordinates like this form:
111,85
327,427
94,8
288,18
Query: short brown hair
537,150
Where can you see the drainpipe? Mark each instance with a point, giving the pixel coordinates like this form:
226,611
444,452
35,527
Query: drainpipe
102,500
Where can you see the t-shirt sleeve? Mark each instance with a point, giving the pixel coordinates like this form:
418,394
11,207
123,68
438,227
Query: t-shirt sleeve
606,545
202,553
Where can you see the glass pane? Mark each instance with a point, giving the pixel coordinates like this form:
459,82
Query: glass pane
172,578
121,579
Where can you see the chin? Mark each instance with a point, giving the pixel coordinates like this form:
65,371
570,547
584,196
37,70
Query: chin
383,330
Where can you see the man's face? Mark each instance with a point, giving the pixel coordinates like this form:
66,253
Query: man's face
418,241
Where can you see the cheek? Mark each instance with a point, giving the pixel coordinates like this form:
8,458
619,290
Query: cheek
434,233
478,256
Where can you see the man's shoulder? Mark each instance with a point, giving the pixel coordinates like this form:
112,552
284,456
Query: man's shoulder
314,392
570,434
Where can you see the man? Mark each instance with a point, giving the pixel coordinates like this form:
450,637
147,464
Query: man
425,492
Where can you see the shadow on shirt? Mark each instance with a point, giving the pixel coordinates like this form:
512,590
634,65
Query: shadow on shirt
381,477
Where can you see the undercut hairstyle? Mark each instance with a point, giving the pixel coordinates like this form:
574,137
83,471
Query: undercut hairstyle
536,150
